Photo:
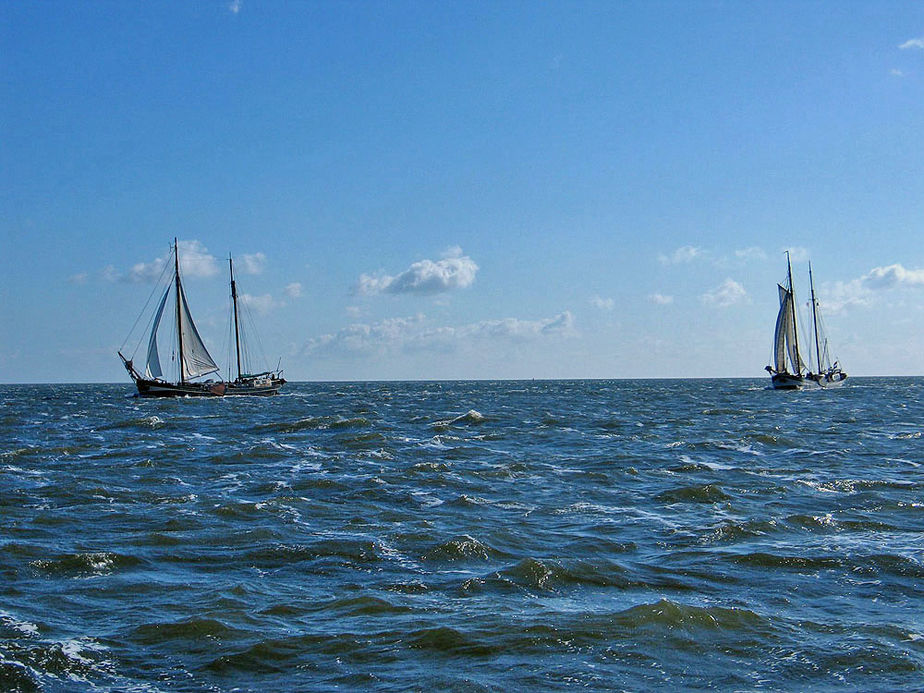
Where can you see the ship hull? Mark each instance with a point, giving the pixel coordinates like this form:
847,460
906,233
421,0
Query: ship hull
826,381
253,390
156,388
786,381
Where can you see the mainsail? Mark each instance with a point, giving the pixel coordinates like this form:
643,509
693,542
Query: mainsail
196,358
783,329
785,339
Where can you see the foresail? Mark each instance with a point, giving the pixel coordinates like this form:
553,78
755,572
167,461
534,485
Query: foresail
152,368
779,334
196,358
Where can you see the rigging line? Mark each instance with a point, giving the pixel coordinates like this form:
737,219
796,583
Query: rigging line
154,291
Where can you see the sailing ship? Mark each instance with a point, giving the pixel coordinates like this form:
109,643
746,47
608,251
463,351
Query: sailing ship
788,370
265,383
191,355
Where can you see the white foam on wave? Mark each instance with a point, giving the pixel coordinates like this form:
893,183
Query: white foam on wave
24,627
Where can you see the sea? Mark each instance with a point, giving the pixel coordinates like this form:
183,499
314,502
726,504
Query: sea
612,535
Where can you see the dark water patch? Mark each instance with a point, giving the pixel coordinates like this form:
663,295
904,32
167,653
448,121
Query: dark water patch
363,440
670,615
704,493
548,575
309,423
84,564
828,523
16,677
195,629
151,422
365,605
355,422
729,531
464,548
798,563
451,641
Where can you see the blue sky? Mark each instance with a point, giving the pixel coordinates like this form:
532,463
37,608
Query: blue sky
464,189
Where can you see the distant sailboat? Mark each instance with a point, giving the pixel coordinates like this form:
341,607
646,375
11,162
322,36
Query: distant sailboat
265,383
789,371
192,357
828,372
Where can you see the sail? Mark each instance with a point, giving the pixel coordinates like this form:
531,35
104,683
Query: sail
152,369
792,347
196,358
783,320
784,336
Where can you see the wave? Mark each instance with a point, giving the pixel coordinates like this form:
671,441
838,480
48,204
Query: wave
550,575
471,418
85,564
280,555
706,493
310,423
464,548
195,628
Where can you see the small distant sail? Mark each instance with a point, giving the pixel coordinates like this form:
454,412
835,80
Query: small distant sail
153,369
196,358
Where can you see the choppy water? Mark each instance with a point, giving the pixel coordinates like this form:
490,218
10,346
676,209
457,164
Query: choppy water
464,536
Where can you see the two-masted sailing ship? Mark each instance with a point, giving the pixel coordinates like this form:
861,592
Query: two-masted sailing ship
788,370
189,353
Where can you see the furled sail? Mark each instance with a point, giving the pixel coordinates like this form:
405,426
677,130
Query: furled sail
152,369
196,358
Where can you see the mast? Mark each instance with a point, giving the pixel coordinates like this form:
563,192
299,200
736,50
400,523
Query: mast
795,334
815,321
179,320
237,332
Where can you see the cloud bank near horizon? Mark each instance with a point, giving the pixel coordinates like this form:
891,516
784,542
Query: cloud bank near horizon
409,334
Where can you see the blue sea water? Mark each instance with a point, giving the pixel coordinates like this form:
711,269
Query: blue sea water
466,536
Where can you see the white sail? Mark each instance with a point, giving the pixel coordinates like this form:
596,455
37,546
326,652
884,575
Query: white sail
784,336
783,327
196,358
152,369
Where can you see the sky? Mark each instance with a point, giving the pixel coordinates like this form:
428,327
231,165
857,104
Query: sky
463,189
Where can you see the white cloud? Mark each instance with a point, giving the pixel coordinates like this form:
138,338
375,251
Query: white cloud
253,264
412,334
661,299
893,275
195,261
682,255
835,297
752,253
293,290
426,277
261,304
915,43
110,274
235,6
895,72
727,294
602,303
78,278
